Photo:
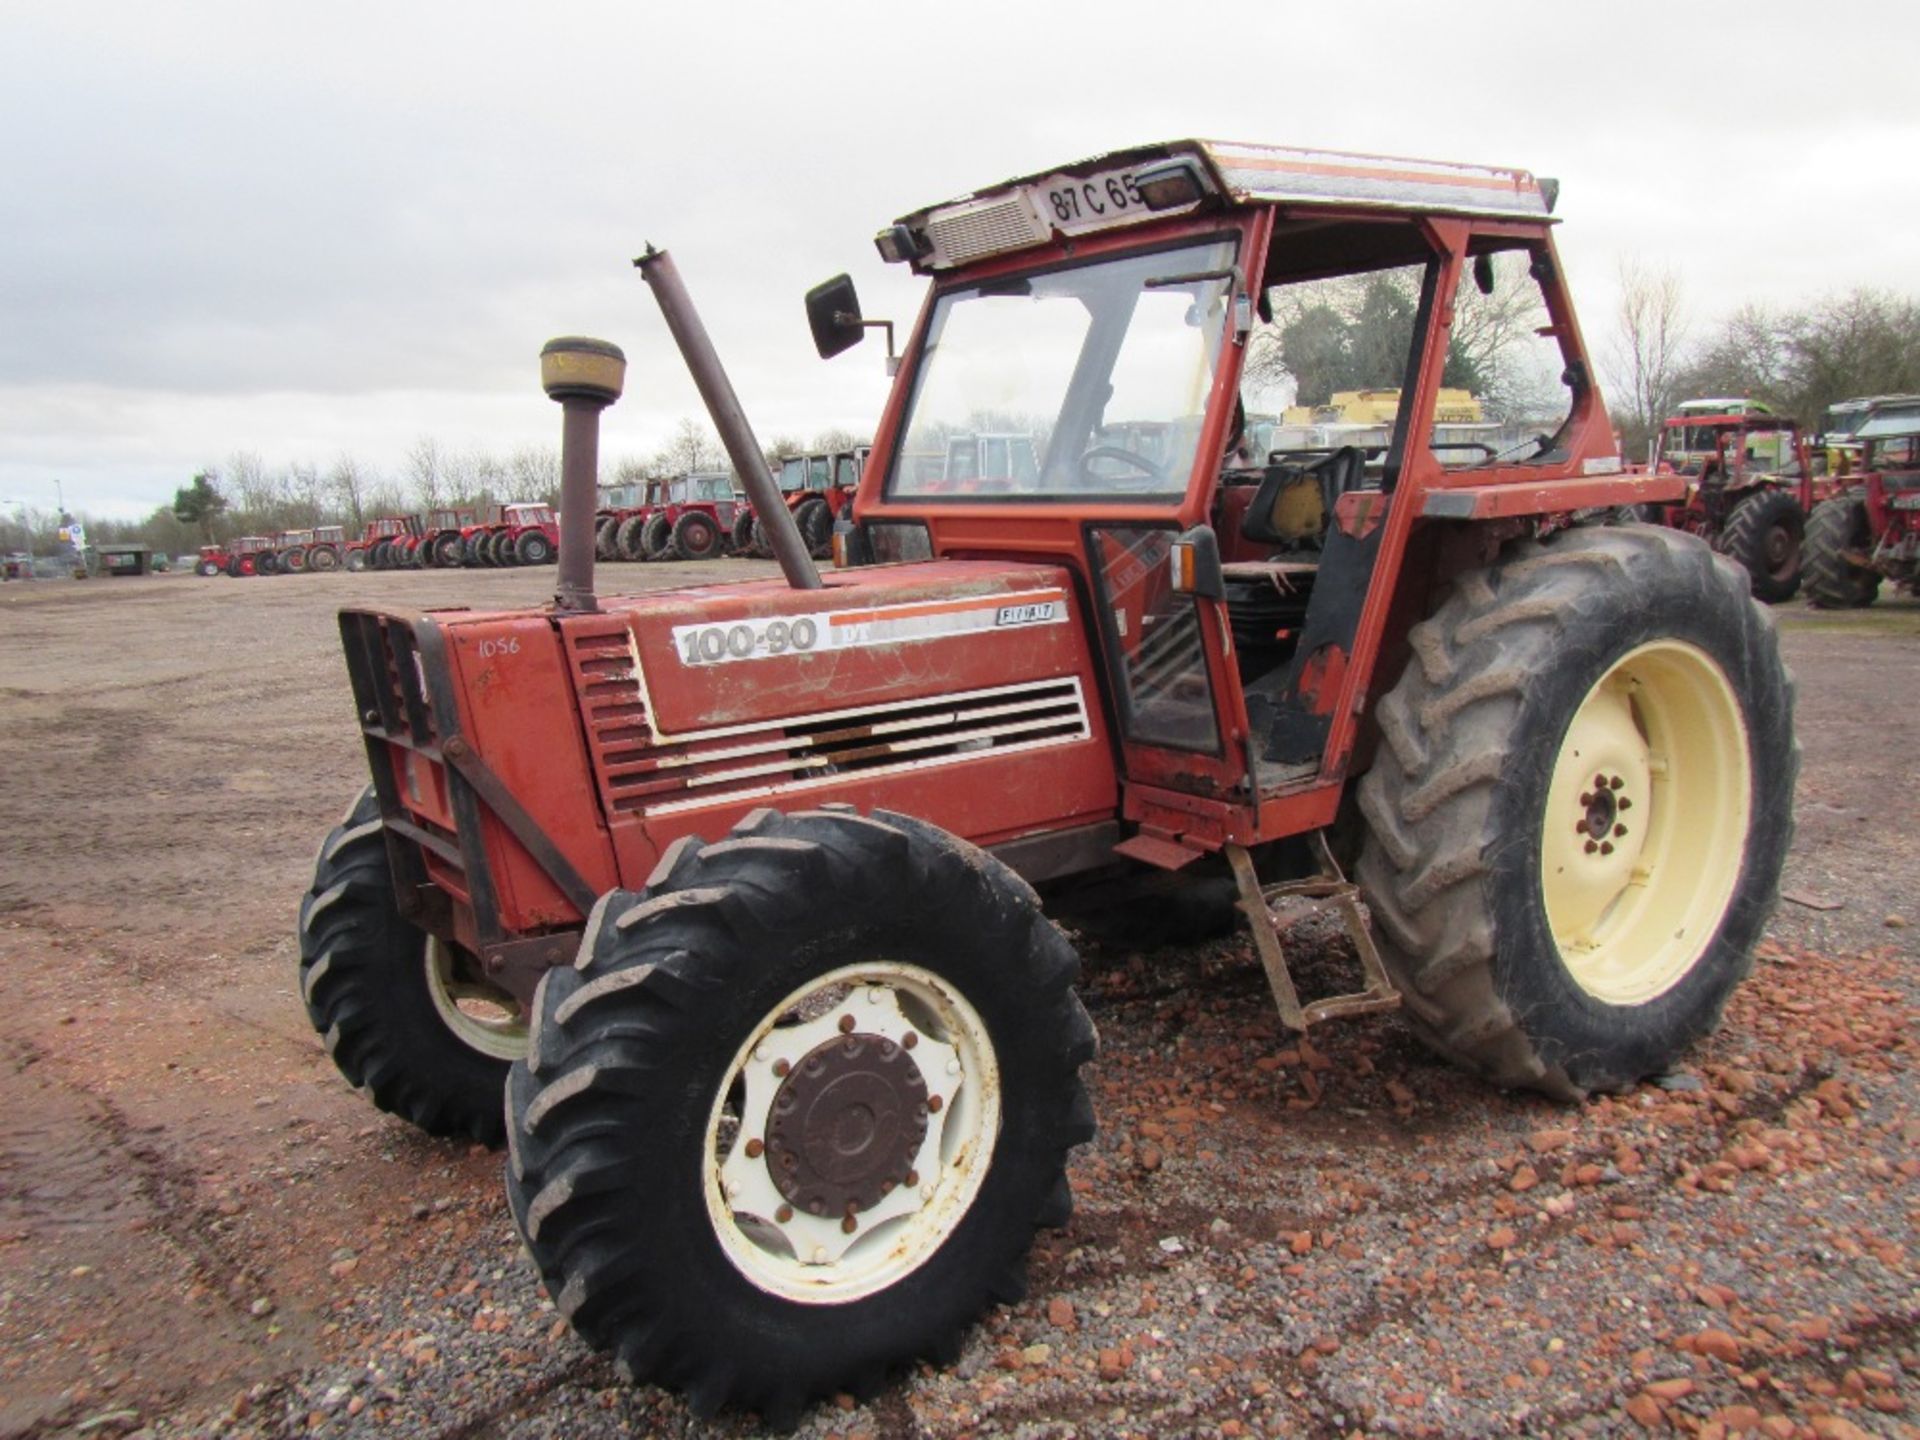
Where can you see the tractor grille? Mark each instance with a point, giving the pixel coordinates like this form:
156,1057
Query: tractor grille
389,682
640,774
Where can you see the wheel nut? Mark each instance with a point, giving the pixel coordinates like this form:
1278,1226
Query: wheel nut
849,1225
1599,782
1592,845
781,1067
913,1178
1619,830
1616,782
1586,798
754,1149
783,1214
846,1024
1625,804
934,1102
910,1039
1606,847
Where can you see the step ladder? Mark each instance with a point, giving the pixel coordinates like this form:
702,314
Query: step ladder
1329,889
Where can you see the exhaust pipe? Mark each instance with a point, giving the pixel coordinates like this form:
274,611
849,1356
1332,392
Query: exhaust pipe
585,376
769,507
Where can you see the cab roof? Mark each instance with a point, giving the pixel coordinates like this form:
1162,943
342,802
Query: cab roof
1016,214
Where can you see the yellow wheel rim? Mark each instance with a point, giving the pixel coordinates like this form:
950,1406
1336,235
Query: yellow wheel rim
1646,822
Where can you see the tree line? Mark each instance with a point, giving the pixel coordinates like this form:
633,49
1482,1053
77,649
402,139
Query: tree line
1796,359
246,496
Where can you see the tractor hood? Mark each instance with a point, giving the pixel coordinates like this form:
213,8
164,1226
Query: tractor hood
963,691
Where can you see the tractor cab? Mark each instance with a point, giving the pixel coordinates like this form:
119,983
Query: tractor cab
1077,391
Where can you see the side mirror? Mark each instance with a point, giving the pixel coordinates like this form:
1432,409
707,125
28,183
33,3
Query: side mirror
833,313
1483,274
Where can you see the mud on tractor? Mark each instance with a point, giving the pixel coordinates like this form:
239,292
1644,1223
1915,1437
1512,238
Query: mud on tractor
1869,530
741,891
1750,488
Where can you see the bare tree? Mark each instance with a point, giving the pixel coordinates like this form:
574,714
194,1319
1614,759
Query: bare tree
306,493
426,470
533,471
1644,363
781,446
256,490
831,440
693,447
349,485
1747,354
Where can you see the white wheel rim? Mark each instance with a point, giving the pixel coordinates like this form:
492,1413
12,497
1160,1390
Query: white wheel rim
481,1016
816,1259
1634,895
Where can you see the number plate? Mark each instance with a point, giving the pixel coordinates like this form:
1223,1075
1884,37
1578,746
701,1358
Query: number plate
1073,204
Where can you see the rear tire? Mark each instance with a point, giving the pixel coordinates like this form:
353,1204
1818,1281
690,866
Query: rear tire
356,560
383,994
449,550
1522,947
695,537
207,568
603,533
323,558
655,537
636,1123
816,527
626,539
532,548
743,532
1834,582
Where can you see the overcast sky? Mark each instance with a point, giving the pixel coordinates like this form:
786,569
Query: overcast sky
335,228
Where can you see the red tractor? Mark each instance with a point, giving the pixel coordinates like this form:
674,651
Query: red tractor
1749,493
518,533
213,560
1870,530
742,891
816,488
374,550
285,553
629,532
241,558
325,548
693,518
617,505
442,541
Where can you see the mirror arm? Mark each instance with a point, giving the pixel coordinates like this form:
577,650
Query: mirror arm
847,317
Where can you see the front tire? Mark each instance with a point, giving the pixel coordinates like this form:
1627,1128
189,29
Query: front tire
532,548
1579,814
762,1228
207,569
1763,536
1836,527
405,1016
626,539
743,540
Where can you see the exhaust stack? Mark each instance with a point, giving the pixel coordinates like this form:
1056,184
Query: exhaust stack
585,376
769,507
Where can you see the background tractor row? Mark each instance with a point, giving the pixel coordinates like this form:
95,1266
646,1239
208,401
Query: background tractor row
815,489
1750,488
744,893
1868,531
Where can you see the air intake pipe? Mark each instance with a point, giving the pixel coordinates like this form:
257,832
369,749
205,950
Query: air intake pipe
585,376
770,513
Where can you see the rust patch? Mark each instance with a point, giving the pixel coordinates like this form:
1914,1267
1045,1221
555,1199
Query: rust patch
1321,678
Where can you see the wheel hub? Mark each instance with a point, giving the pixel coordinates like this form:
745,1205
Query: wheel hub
1600,813
846,1124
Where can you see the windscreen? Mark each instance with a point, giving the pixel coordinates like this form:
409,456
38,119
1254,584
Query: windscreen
1074,383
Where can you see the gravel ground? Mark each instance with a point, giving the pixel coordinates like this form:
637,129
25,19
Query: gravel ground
201,1233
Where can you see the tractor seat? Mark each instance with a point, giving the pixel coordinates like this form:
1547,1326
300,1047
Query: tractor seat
1292,507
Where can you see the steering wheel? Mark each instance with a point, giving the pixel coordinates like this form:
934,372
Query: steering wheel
1150,473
